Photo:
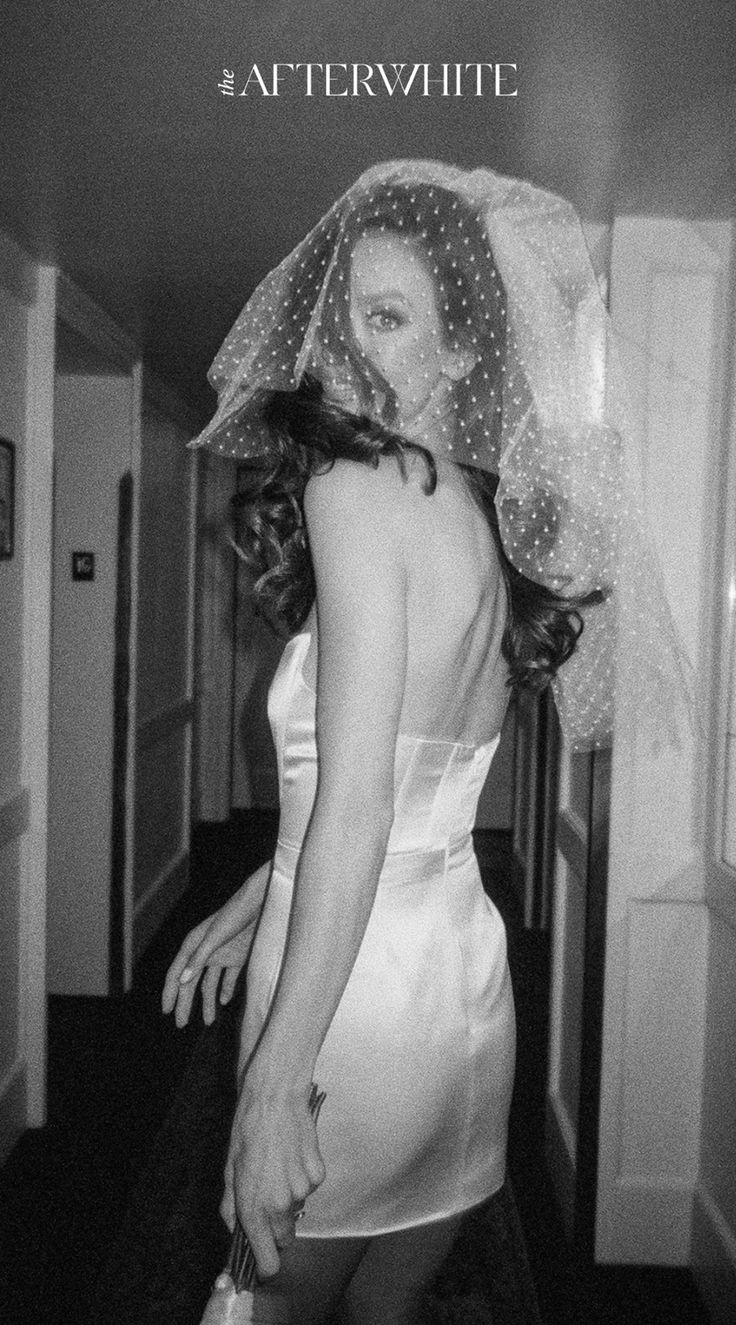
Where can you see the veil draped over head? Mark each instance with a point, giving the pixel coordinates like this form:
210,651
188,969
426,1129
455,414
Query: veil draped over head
539,401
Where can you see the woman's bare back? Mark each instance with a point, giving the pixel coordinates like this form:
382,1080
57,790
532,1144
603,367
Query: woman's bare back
455,607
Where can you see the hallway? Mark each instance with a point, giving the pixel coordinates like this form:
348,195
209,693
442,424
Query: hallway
116,1066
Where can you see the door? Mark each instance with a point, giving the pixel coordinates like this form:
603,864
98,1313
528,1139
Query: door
576,988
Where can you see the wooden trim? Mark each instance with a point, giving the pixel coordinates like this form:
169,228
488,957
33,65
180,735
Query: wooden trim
591,1038
77,310
720,876
713,1257
164,724
572,841
552,775
157,901
121,751
131,771
14,817
525,833
13,1106
191,646
537,901
18,273
35,717
559,1150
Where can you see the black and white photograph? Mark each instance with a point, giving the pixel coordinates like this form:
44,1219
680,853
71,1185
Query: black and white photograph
368,663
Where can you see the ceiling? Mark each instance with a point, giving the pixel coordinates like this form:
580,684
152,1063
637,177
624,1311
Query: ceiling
167,201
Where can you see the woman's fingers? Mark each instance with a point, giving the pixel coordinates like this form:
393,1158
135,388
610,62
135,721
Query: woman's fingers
188,958
260,1236
227,1208
209,993
184,1002
189,963
284,1231
229,981
314,1167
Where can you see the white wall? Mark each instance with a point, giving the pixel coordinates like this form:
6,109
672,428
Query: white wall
164,693
26,344
13,797
92,451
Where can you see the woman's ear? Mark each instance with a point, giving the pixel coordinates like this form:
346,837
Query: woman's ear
460,363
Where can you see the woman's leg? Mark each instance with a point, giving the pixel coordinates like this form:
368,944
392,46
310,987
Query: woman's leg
314,1274
394,1273
371,1281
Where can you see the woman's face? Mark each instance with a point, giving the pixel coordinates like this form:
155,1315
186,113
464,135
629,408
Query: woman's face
396,323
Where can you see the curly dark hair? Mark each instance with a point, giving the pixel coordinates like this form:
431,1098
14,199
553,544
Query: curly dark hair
307,431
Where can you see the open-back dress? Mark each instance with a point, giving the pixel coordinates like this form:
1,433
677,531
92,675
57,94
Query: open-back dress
417,1064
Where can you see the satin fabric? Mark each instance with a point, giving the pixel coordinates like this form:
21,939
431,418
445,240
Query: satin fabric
418,1061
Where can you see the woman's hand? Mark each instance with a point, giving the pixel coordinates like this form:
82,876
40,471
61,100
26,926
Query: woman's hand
273,1166
215,951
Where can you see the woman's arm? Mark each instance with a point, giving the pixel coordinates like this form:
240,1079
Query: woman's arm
361,610
355,528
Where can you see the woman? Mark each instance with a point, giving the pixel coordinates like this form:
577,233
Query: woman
379,382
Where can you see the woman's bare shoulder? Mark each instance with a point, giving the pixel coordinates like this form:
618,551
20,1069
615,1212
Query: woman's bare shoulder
360,492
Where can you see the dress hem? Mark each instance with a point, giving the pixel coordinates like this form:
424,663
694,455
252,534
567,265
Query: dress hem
401,1228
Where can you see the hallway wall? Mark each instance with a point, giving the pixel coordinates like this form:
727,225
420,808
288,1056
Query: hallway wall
14,321
27,300
164,702
99,408
92,444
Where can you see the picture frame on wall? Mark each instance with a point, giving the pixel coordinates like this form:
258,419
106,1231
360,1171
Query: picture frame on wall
7,499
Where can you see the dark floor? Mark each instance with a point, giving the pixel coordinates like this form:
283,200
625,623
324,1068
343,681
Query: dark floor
114,1069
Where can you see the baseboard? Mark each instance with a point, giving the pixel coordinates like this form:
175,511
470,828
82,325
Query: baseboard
158,900
13,1107
644,1222
714,1258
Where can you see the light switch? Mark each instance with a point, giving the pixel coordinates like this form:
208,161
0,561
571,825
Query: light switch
83,565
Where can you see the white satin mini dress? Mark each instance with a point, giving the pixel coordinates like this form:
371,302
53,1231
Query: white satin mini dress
418,1061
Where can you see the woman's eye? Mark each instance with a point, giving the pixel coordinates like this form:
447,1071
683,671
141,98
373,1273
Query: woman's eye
384,319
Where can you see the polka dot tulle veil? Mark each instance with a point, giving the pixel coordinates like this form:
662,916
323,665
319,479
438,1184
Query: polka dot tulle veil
515,362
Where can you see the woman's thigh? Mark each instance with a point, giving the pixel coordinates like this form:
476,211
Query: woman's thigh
362,1281
394,1272
314,1275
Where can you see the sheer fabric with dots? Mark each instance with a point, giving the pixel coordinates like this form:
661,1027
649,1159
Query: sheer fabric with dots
535,395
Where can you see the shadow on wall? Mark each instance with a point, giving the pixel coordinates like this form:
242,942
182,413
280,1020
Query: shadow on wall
257,652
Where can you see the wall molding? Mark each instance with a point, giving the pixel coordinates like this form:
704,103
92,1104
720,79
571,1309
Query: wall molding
14,817
572,841
77,310
163,724
18,272
714,1257
37,577
157,901
13,1107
